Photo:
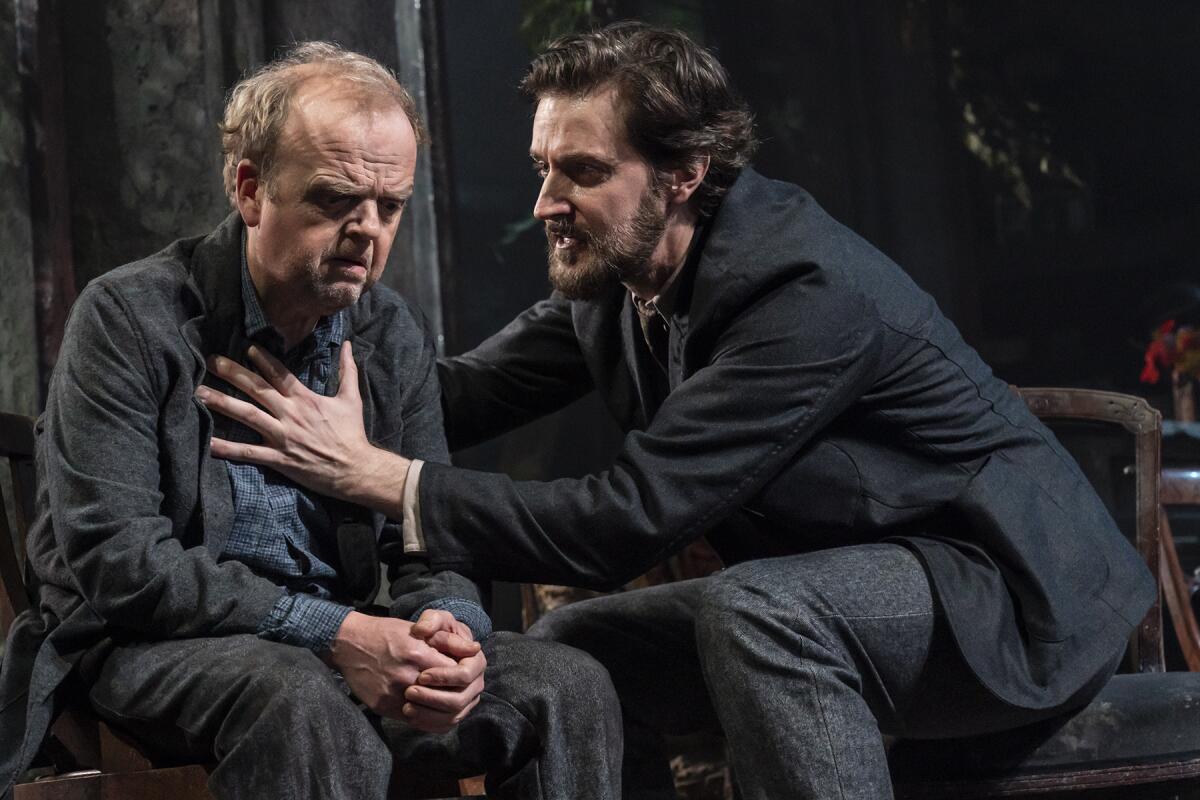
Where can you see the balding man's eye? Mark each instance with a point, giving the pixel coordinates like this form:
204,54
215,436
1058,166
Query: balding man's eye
333,201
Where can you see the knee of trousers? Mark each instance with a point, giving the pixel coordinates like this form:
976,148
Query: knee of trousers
572,624
290,698
560,675
741,614
731,598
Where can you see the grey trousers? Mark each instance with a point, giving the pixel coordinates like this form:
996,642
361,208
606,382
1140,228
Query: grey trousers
802,661
281,724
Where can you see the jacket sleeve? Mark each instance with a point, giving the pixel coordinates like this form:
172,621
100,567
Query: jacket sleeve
533,366
413,587
100,456
778,371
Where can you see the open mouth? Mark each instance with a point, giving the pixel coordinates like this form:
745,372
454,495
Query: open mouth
564,237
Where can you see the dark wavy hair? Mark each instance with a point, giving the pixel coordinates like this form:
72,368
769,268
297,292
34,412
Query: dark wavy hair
679,104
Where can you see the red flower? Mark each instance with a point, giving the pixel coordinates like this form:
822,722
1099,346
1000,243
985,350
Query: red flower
1156,354
1172,349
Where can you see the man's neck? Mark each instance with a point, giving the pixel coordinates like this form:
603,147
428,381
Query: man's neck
291,331
288,314
283,314
667,259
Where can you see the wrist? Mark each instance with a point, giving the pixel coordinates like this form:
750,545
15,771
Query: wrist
375,480
347,637
467,613
304,621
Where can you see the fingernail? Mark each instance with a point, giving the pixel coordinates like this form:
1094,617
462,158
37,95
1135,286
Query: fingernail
202,393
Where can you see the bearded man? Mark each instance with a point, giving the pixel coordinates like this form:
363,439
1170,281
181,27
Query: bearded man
911,551
218,612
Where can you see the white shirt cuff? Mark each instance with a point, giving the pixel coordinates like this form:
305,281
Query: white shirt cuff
414,539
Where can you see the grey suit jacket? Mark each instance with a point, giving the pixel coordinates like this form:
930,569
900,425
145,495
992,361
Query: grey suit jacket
818,398
133,513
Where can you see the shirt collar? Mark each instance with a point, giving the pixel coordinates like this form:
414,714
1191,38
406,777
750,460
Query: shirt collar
664,302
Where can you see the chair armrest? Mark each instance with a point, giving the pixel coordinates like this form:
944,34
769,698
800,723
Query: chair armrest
1179,487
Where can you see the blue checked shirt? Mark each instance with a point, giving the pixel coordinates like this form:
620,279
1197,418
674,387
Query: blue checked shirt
281,530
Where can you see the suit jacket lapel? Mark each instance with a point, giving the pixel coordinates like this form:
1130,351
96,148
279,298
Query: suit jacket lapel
601,327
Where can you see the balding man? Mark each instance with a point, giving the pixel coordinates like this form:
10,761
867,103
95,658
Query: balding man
218,611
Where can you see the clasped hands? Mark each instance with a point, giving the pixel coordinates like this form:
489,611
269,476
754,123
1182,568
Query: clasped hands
428,673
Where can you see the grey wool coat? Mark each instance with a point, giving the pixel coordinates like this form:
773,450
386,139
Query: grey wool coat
817,399
133,513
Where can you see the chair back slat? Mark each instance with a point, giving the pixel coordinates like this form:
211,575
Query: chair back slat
16,446
1136,417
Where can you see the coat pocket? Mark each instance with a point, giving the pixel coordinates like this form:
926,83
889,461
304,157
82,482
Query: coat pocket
1048,556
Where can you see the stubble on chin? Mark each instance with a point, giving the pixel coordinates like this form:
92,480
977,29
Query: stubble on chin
335,298
332,296
583,277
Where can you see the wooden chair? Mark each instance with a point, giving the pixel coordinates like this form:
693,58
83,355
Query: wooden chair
91,760
1179,487
1141,736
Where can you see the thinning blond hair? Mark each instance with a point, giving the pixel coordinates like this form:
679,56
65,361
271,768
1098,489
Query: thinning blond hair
258,106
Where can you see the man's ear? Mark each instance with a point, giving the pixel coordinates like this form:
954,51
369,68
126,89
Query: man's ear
249,192
686,179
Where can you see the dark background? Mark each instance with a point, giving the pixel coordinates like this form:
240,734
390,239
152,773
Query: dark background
1033,165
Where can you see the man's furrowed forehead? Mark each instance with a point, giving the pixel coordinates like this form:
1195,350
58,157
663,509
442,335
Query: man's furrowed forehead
349,145
345,168
390,183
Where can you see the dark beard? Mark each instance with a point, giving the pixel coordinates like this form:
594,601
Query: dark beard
599,262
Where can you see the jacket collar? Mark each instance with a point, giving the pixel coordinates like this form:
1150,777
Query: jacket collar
739,235
215,281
